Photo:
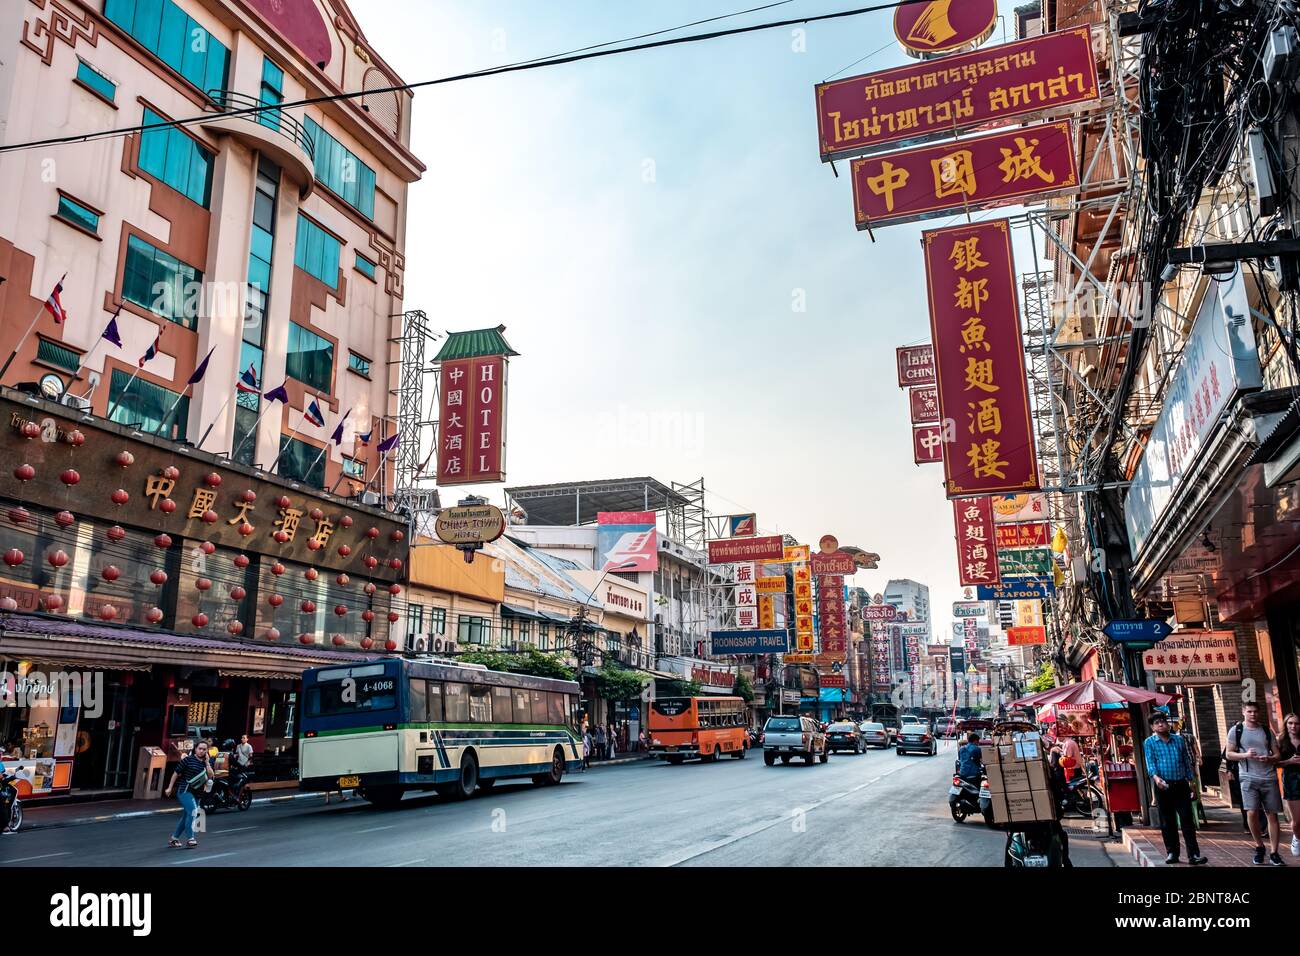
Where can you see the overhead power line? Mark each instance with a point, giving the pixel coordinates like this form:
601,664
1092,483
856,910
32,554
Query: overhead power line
586,53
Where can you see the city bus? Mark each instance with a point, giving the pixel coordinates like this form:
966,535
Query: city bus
388,727
704,727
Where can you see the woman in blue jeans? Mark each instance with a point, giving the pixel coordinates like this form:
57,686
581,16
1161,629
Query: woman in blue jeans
193,772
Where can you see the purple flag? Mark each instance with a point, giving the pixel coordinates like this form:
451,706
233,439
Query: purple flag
110,331
337,437
202,369
388,444
280,394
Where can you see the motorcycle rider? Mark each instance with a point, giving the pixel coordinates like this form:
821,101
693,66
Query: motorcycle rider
970,762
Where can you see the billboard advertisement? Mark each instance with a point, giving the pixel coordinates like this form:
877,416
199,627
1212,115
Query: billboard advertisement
977,558
979,359
627,541
767,548
757,641
1009,509
742,526
998,169
937,98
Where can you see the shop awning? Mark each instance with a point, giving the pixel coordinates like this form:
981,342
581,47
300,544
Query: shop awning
38,660
271,675
517,610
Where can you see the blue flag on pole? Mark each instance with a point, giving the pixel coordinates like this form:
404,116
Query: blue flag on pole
110,332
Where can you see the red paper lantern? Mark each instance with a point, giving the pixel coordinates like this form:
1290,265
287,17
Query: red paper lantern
58,558
199,620
237,593
272,634
371,561
166,506
398,535
111,572
394,589
395,563
240,560
52,602
338,640
210,516
76,438
158,577
13,557
367,615
311,574
31,430
208,547
393,617
125,459
316,514
107,612
343,580
203,584
275,600
171,473
340,609
24,472
212,480
345,521
283,502
313,544
308,607
163,541
249,495
19,515
116,533
370,587
306,639
8,604
120,497
281,536
69,476
344,550
154,615
65,518
235,627
372,533
245,529
277,569
390,645
367,643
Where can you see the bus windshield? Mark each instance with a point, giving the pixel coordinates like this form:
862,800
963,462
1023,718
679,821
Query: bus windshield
361,695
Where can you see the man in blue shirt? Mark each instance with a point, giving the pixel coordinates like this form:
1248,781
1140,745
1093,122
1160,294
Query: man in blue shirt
969,760
1169,765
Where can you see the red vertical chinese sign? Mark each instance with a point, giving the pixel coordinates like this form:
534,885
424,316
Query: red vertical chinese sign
471,434
977,553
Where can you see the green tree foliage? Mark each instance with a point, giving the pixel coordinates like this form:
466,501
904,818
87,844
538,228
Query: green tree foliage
1045,680
682,688
617,684
743,688
532,662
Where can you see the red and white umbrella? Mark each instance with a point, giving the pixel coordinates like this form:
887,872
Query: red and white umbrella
1095,692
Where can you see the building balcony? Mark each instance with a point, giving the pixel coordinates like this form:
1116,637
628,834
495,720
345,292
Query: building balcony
272,132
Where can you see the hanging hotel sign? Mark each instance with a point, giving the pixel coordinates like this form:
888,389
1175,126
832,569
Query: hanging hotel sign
977,173
924,101
977,561
924,403
930,28
915,365
980,359
470,524
471,420
732,551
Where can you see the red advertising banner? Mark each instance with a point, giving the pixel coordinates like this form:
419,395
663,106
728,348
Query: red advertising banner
927,444
923,101
925,404
830,612
838,562
915,365
976,173
832,680
879,612
471,431
931,27
735,550
1035,535
1017,636
980,359
977,558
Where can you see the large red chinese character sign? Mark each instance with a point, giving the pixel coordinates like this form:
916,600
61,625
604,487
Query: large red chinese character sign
983,391
471,433
977,553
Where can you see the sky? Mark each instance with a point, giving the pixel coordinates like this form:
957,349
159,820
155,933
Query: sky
678,269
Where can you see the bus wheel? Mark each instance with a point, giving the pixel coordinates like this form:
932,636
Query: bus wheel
739,753
554,775
463,787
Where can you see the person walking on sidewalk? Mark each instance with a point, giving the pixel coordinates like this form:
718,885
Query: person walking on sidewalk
586,749
1169,766
1289,751
600,741
193,773
1254,749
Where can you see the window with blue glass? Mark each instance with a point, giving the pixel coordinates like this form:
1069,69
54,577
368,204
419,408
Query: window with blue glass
317,252
310,358
172,157
353,468
365,267
359,364
176,38
147,406
272,94
74,212
90,77
161,283
338,168
300,461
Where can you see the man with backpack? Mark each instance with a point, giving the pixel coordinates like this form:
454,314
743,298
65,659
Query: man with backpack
1252,753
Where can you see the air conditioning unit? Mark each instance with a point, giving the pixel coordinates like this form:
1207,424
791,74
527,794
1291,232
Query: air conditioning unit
370,498
417,643
75,401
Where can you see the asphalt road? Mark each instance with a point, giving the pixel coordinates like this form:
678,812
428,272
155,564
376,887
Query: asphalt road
875,809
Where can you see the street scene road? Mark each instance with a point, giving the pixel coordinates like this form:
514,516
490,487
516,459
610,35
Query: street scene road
873,809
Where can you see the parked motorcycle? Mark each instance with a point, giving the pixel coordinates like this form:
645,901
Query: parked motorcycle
11,808
1082,795
965,799
229,793
1034,845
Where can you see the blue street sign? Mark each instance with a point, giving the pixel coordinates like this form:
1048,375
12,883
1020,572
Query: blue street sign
1017,589
1147,631
634,713
756,641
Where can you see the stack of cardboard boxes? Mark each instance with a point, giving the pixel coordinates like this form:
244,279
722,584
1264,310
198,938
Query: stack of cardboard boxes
1019,783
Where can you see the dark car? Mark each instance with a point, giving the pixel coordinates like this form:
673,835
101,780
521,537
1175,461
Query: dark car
916,738
845,735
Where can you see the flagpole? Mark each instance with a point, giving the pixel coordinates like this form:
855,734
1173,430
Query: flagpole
26,335
80,365
182,394
283,445
216,419
129,382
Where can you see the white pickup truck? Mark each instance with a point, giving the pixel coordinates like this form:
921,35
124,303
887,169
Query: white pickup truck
791,736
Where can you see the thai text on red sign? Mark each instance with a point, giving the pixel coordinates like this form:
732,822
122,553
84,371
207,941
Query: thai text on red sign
924,403
1032,535
730,551
975,173
979,359
471,439
915,365
923,101
977,559
838,562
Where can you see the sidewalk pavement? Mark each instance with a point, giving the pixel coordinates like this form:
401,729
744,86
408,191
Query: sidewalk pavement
79,814
1222,840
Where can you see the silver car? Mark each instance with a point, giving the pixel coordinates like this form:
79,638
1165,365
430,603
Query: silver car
874,734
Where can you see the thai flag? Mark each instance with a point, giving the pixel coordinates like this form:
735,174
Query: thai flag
54,306
248,381
313,414
152,351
